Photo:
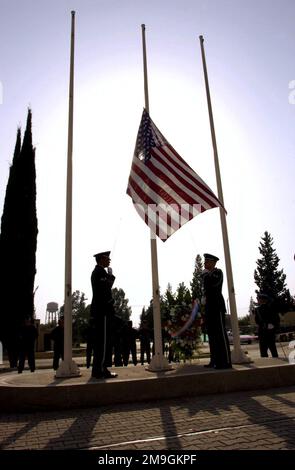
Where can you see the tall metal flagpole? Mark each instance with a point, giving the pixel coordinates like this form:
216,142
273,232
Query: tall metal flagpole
68,367
238,356
158,362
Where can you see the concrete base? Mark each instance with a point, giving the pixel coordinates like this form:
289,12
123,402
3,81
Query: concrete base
158,364
41,391
67,369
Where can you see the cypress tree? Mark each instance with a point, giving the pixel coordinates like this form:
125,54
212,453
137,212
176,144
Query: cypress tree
18,238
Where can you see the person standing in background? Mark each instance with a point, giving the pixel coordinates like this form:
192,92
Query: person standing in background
57,336
27,339
268,322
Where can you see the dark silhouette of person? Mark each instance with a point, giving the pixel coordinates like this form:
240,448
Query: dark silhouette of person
90,342
129,343
11,344
173,354
102,312
27,336
57,335
118,326
215,315
114,345
268,321
144,334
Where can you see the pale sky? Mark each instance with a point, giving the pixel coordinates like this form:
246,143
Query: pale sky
250,57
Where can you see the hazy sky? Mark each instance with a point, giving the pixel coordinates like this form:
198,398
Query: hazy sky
250,58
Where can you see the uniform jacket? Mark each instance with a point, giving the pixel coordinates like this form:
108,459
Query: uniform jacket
265,314
28,336
57,335
102,301
212,289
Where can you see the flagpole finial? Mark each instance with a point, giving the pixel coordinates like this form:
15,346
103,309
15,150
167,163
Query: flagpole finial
143,26
73,12
201,38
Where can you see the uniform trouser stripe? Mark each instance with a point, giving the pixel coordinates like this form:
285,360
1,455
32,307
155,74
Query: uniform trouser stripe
224,339
104,343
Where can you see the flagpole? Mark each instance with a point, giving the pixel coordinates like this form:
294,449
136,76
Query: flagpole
158,362
238,356
68,367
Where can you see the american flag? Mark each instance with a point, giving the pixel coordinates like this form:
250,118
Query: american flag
164,189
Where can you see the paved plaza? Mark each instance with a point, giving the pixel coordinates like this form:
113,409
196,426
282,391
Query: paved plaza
256,420
144,415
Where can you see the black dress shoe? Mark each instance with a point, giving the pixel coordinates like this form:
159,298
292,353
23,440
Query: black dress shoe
97,376
109,375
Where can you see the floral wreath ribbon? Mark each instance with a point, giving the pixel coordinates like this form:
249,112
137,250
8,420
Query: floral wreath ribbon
196,313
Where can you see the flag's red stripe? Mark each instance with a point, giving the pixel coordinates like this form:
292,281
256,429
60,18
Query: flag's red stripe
166,218
185,172
147,200
143,195
168,180
158,190
145,217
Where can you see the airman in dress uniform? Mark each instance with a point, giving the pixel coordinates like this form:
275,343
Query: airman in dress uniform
101,312
215,315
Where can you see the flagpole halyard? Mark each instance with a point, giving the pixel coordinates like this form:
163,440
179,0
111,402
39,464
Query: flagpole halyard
238,356
158,362
68,367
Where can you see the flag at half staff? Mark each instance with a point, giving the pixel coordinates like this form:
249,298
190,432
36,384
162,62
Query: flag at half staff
164,189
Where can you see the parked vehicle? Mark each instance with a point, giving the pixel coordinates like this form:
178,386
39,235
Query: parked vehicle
285,336
244,339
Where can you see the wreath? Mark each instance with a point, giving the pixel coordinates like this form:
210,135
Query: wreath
183,327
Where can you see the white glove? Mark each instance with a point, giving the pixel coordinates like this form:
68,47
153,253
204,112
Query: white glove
110,271
270,326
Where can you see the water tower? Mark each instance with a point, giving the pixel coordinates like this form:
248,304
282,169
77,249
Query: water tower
51,312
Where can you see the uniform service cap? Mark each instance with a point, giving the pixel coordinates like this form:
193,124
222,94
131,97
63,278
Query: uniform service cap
102,253
210,257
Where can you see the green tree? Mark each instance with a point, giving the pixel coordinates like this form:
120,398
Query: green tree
122,309
169,298
80,317
197,281
268,278
148,316
244,321
183,295
142,317
18,238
